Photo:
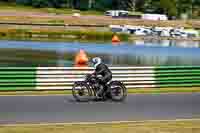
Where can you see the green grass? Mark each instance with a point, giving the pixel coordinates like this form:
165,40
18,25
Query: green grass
4,6
70,11
130,91
55,21
64,34
189,126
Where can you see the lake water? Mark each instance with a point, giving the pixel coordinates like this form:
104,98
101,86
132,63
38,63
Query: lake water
138,53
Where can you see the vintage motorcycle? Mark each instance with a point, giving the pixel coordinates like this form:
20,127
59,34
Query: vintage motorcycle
84,91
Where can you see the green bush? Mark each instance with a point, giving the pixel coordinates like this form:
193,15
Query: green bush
24,2
44,3
103,5
40,3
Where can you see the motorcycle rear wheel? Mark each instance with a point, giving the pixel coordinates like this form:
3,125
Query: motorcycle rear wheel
118,91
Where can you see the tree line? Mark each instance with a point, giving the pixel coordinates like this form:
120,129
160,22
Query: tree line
169,7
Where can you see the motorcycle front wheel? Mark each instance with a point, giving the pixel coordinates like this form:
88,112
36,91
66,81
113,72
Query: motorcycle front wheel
81,91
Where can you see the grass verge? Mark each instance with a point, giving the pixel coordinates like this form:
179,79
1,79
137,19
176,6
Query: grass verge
130,91
187,126
90,35
47,18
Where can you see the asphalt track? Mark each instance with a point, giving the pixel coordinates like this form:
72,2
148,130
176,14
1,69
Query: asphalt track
58,109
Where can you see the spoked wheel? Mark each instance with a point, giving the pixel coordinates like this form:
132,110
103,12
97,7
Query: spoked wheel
81,91
118,91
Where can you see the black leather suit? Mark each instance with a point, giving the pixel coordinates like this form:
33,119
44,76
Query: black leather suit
105,72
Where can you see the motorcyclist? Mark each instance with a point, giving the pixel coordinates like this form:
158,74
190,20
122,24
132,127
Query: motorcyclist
103,70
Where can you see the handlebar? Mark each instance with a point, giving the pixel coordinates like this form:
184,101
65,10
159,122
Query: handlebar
89,77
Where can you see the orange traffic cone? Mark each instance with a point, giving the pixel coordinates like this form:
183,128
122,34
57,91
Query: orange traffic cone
81,58
81,65
115,39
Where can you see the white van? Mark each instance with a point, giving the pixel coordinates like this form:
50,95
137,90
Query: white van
143,32
184,33
116,13
154,17
117,28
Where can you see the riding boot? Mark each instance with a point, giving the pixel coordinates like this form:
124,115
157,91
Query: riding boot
100,91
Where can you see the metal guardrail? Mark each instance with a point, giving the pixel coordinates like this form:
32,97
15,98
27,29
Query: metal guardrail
55,78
